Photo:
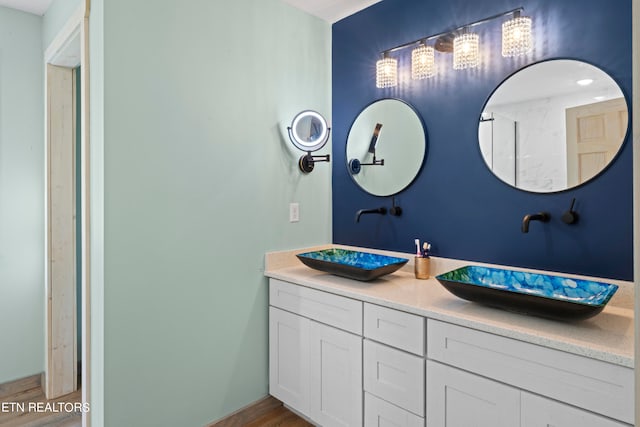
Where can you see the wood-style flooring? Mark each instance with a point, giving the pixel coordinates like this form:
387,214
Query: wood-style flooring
268,412
22,392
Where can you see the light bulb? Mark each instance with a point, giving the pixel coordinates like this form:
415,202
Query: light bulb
423,65
466,51
516,36
386,73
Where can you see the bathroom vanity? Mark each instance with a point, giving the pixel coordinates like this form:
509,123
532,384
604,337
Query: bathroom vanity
405,352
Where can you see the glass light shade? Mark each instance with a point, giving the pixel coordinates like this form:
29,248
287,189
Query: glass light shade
516,36
466,51
423,62
386,73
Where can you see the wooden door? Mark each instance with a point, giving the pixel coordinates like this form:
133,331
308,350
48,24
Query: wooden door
61,363
595,133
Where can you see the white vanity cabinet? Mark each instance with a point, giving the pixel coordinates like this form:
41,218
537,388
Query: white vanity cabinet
394,367
456,398
460,399
495,380
540,412
289,359
314,368
341,361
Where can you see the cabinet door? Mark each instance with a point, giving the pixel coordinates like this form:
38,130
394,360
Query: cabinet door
336,376
540,412
395,376
289,359
380,413
457,398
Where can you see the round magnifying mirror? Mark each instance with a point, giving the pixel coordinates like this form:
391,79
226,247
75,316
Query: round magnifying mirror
553,125
386,147
309,131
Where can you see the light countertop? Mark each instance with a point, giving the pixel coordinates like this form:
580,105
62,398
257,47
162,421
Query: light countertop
607,336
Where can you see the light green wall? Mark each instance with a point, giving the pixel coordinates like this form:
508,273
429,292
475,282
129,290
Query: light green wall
55,17
21,195
192,101
96,221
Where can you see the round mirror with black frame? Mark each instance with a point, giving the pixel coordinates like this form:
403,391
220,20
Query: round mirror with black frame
386,147
553,125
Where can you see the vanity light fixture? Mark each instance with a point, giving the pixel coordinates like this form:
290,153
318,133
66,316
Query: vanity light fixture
516,36
386,71
465,46
423,61
466,51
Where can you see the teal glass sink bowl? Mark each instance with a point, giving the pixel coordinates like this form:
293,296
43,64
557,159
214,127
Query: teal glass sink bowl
543,295
352,264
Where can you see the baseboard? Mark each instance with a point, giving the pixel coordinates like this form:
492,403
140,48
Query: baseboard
249,413
20,385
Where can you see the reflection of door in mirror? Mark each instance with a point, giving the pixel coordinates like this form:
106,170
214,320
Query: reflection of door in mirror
498,146
594,132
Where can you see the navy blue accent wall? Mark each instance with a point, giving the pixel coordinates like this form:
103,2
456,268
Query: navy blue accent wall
456,203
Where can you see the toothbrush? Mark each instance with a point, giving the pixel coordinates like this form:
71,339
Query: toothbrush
425,249
418,254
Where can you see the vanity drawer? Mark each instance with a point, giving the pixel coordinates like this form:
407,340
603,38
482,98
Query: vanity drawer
395,376
595,385
395,328
380,413
340,312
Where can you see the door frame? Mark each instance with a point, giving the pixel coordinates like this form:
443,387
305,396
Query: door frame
635,49
70,48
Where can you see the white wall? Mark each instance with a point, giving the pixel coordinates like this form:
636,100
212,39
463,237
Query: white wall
21,195
191,178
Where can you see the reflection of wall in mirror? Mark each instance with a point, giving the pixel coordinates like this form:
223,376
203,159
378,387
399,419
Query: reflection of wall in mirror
400,143
542,153
497,136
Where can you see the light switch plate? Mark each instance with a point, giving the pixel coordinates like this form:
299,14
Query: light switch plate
294,212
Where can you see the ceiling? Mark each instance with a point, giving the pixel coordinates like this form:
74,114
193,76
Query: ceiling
331,10
37,7
554,78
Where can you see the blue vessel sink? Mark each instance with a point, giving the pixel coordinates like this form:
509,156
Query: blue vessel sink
352,264
543,295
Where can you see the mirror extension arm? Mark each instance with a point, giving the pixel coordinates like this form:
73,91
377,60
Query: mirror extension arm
355,165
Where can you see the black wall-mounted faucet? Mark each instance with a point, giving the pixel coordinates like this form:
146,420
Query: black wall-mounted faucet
541,216
379,211
395,209
570,216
